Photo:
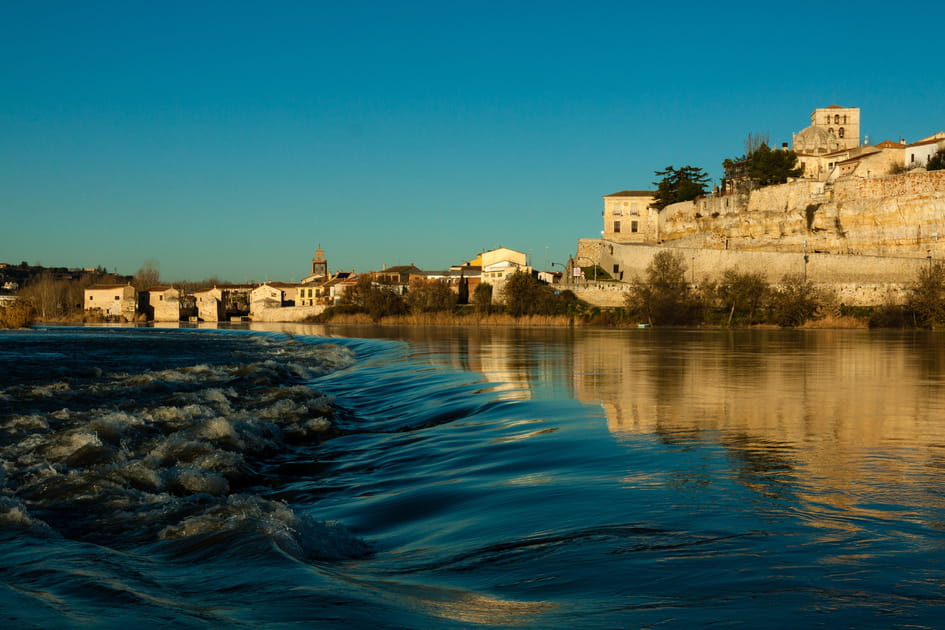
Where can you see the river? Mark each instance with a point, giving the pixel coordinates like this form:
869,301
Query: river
309,476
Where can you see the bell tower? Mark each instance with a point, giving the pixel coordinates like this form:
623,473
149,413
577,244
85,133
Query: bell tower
319,264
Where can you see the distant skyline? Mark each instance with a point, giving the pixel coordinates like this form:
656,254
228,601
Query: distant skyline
231,139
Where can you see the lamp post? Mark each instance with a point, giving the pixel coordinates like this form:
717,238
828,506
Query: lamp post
805,262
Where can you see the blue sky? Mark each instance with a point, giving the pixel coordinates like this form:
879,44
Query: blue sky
233,138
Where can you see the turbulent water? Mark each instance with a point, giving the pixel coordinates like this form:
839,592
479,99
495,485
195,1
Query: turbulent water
599,479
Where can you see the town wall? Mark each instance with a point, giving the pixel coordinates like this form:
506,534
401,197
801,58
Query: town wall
286,313
856,279
866,238
900,216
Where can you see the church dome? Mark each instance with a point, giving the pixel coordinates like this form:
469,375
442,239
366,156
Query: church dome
812,140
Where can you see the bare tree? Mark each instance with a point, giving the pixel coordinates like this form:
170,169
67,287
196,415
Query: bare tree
754,141
148,276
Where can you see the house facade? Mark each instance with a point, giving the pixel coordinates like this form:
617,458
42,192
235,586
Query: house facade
160,304
112,301
630,218
918,154
498,265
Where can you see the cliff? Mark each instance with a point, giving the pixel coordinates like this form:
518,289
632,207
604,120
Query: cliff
901,216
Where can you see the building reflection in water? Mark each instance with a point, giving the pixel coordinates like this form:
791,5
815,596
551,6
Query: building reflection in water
835,413
843,419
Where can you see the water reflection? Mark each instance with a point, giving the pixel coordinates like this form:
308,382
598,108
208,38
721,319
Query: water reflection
840,420
846,420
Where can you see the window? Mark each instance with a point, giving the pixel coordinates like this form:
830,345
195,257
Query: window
117,297
92,297
616,268
616,226
634,226
840,132
836,119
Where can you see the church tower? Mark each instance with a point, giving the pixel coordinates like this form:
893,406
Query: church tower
319,264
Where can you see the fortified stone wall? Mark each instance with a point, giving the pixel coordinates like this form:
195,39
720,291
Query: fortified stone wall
858,280
897,216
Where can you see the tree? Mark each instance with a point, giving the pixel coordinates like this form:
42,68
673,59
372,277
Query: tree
148,276
48,296
463,293
741,291
926,297
767,167
936,162
683,184
427,296
664,297
482,297
760,165
377,301
794,302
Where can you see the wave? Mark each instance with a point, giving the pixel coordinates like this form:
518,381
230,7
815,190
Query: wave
120,456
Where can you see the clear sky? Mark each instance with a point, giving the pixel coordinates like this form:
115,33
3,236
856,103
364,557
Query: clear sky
233,138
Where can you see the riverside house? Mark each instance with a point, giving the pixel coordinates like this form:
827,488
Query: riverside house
112,301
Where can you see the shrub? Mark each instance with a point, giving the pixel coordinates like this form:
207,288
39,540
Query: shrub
794,302
16,315
664,297
430,296
926,298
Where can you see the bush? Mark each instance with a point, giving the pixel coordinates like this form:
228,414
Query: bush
741,294
430,296
523,294
794,302
664,297
16,315
482,297
926,298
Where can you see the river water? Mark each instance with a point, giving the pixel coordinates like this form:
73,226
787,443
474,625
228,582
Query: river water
297,476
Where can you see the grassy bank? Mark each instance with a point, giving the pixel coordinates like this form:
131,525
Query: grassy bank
452,319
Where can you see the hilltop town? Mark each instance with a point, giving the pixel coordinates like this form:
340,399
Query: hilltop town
858,218
861,218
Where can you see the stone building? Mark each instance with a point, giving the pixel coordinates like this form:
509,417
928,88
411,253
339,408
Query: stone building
319,269
498,265
112,300
160,304
273,295
833,132
629,217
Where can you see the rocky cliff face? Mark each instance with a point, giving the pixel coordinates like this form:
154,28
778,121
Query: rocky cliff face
900,215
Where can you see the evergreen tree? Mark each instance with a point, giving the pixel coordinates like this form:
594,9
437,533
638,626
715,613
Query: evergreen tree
936,162
767,167
682,184
463,297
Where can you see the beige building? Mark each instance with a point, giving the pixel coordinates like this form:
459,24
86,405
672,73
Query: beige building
112,300
886,158
273,295
918,154
210,305
498,265
160,304
832,128
629,217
